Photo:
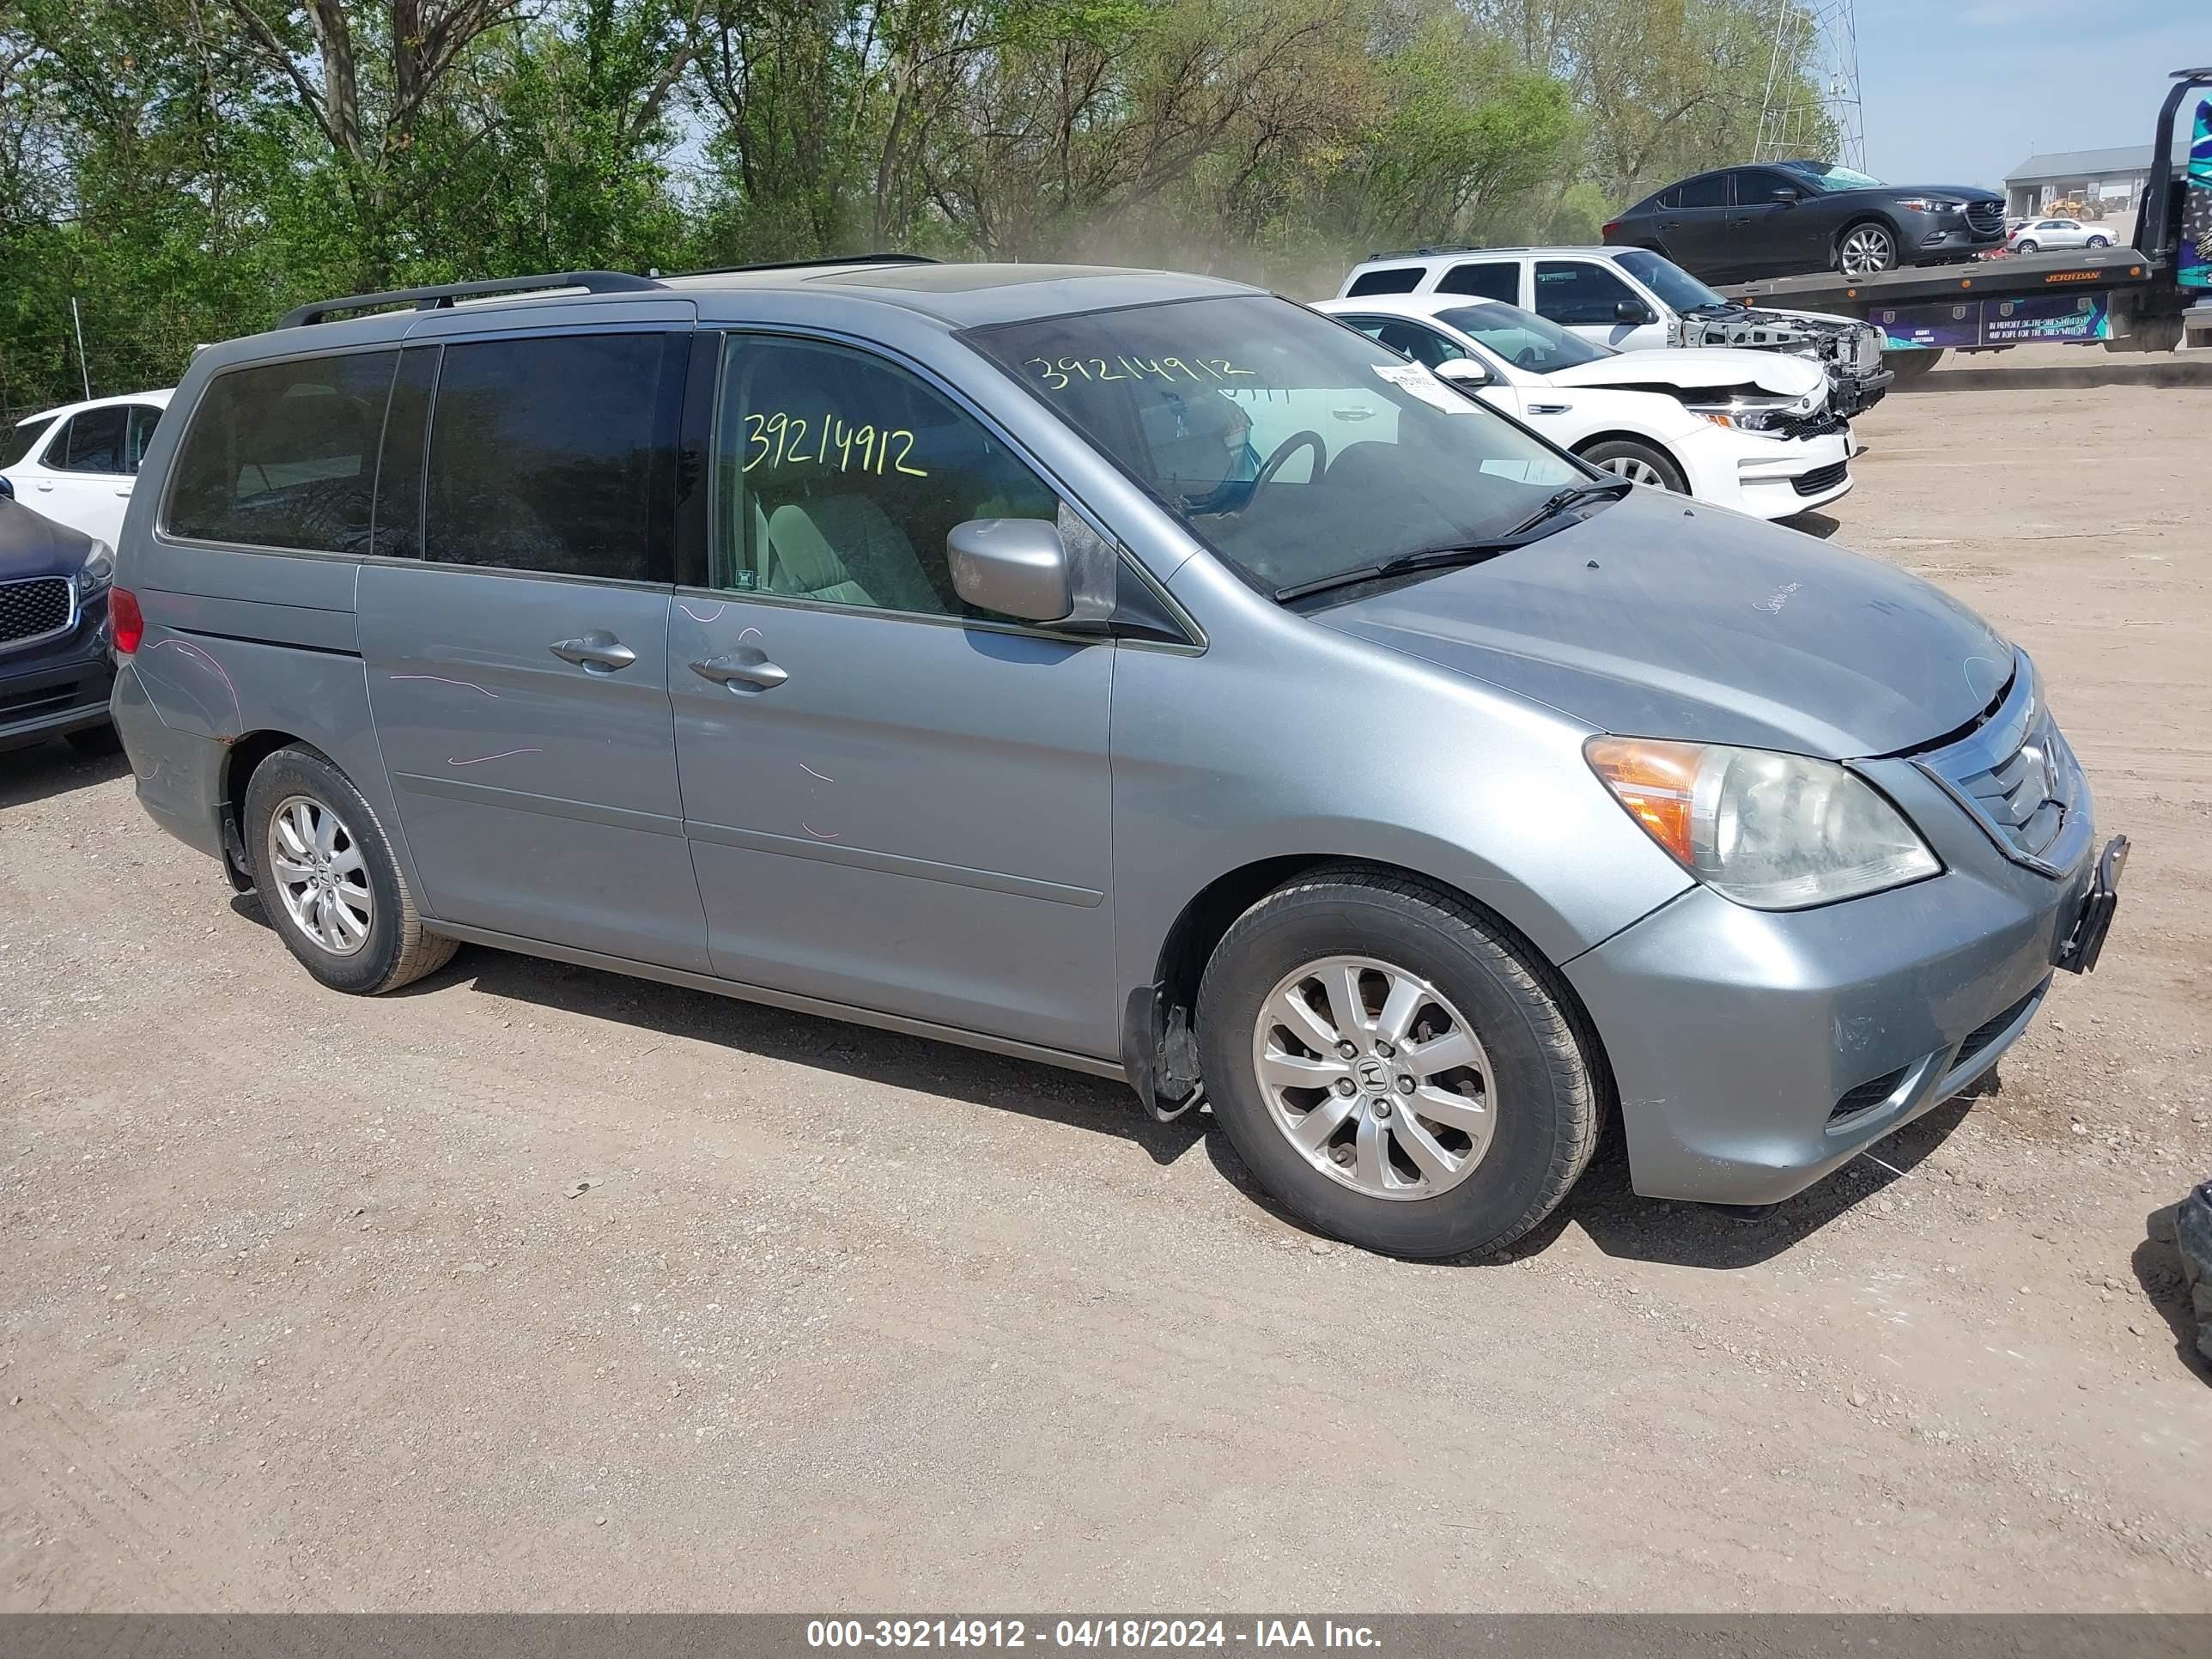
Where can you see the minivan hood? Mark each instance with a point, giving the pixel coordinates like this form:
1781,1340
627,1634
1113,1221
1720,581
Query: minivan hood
1656,618
1693,366
31,544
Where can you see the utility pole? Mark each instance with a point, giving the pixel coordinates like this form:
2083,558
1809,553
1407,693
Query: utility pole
83,364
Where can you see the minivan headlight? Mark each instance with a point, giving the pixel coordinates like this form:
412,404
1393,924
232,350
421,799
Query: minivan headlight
97,571
1772,831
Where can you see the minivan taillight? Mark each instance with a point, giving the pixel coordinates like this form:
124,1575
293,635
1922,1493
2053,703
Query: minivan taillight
126,623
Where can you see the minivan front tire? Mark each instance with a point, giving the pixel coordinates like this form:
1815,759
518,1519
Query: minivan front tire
324,868
1446,1108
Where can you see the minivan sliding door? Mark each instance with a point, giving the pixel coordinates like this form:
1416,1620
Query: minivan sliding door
517,646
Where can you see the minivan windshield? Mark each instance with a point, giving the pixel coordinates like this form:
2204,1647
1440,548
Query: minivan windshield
1523,338
1680,290
1297,449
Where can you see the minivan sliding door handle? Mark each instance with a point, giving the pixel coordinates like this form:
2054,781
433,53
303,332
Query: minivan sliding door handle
746,668
596,653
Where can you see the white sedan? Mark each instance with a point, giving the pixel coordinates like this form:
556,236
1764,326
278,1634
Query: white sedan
2036,234
1750,430
76,464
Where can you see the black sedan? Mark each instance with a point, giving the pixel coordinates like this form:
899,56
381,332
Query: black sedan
1783,217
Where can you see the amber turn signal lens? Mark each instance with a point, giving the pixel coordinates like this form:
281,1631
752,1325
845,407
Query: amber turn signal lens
1654,781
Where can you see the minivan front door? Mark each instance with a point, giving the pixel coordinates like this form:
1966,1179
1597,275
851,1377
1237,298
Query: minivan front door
893,804
517,656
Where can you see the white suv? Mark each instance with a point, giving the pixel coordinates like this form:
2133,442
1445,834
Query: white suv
76,464
1632,300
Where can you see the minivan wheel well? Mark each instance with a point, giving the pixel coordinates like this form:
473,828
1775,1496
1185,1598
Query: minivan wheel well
1158,1052
244,758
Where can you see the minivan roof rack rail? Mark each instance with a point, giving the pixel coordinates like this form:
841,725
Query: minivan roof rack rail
802,264
440,295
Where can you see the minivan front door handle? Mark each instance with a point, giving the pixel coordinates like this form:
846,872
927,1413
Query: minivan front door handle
746,667
596,653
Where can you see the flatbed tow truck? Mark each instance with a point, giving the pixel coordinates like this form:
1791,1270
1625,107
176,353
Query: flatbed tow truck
2127,299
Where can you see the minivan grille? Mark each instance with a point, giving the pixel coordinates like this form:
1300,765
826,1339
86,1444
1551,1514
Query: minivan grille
1868,1094
1986,1033
35,610
1985,218
2016,776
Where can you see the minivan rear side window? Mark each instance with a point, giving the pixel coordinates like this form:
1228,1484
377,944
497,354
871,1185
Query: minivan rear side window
283,455
557,454
1395,279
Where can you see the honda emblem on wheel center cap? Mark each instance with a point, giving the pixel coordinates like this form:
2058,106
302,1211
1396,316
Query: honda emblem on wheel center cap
1375,1075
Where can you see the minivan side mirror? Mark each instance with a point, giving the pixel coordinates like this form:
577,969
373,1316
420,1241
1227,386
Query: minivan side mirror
1016,567
1634,311
1462,371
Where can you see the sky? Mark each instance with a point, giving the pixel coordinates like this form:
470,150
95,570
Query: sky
1959,92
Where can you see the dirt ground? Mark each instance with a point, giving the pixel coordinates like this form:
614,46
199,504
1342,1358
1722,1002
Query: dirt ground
296,1312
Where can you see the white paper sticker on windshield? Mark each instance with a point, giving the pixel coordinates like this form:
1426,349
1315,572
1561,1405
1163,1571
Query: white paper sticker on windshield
1416,379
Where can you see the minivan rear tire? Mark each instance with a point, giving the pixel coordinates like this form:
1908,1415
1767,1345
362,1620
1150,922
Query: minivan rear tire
1541,1078
396,949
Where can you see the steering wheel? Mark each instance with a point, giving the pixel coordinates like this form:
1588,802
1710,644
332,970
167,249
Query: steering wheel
1297,440
1527,356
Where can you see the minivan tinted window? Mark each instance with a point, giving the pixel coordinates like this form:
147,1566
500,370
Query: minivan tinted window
557,454
284,454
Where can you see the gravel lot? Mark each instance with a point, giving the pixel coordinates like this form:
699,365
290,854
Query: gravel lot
296,1313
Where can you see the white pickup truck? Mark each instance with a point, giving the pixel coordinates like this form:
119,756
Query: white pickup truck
1634,300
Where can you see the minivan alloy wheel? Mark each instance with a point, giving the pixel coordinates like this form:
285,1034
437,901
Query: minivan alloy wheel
1374,1077
1868,249
321,875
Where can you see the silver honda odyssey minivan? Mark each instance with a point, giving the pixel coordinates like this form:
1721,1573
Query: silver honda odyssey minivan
1132,672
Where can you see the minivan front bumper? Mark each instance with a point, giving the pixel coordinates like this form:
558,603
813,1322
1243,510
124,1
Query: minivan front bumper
1755,1052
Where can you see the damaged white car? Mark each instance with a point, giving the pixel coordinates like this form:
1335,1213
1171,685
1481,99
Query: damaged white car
1751,430
1632,299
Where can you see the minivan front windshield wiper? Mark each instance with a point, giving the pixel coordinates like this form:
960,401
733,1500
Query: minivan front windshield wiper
1534,527
1610,488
